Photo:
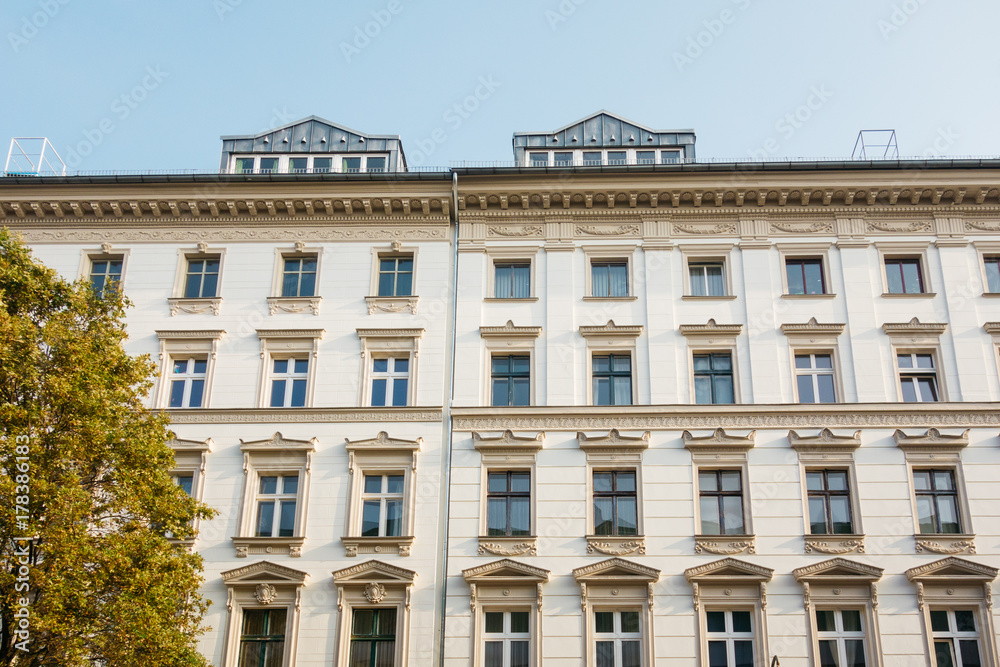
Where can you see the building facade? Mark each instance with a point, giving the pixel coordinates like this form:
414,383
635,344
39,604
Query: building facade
605,411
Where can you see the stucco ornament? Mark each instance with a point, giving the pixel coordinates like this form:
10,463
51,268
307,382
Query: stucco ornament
374,592
265,593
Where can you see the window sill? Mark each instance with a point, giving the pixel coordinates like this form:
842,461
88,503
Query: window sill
616,545
835,544
724,545
921,295
377,545
194,306
693,297
391,304
610,298
946,543
293,304
251,546
808,296
503,545
527,299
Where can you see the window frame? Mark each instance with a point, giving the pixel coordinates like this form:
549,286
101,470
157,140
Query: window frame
953,637
719,495
915,337
385,343
611,374
262,458
105,253
185,344
612,339
381,455
614,254
815,338
806,251
373,584
614,452
712,338
722,451
390,375
895,250
392,303
191,458
814,372
696,254
336,162
984,251
677,155
695,374
276,302
509,340
524,254
508,452
277,344
509,377
178,302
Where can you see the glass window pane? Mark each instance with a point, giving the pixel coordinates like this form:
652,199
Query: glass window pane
197,391
298,393
200,365
625,481
496,482
817,517
268,485
814,481
265,518
827,394
796,284
717,655
599,279
965,620
631,654
492,655
723,387
618,280
852,620
948,514
603,516
496,516
281,365
824,361
399,390
741,621
564,159
373,483
743,653
855,653
404,284
520,516
928,389
519,622
841,511
376,164
828,656
605,654
911,276
939,620
627,521
707,481
378,392
522,391
730,480
394,483
922,480
969,648
814,277
494,621
520,482
177,393
393,518
301,365
630,621
604,621
286,527
602,482
943,654
803,361
804,384
322,164
703,390
277,393
944,480
370,518
732,507
825,620
904,360
925,514
715,621
501,395
710,516
290,484
837,480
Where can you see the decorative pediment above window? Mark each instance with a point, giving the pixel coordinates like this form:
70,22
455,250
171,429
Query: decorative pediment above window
813,330
719,441
932,440
914,332
616,570
728,569
390,340
952,569
278,442
508,442
613,442
382,444
953,581
711,330
611,330
373,571
616,580
839,581
510,331
826,441
505,571
837,569
373,582
204,341
264,572
179,445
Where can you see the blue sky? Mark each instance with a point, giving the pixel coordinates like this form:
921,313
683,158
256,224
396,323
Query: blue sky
124,84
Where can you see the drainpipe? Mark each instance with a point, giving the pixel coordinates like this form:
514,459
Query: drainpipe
445,529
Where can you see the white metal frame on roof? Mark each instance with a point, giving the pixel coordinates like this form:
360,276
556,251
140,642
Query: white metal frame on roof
608,113
32,158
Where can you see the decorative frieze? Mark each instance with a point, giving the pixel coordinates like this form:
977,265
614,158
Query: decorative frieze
835,544
945,544
616,546
725,545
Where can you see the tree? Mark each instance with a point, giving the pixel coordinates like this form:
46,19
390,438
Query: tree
86,574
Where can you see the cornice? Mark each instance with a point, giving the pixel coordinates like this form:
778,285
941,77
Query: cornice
383,442
377,567
728,568
236,576
914,328
939,570
290,333
190,333
507,441
510,331
812,327
615,568
742,416
278,442
933,439
613,441
485,574
179,445
302,415
711,329
992,328
611,330
838,568
718,440
390,333
824,441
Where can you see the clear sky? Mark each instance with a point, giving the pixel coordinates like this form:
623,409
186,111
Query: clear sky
129,84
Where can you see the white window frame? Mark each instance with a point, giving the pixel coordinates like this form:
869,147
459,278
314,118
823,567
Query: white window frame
813,372
380,455
509,340
986,249
722,451
336,162
290,376
730,636
373,585
390,375
609,253
707,254
712,338
511,255
276,303
186,344
195,305
508,452
287,344
392,304
630,159
614,452
382,496
279,498
191,458
105,253
384,343
799,251
618,340
263,458
953,636
815,338
906,250
262,585
617,636
915,337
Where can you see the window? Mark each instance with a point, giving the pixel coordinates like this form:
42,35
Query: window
814,378
381,496
645,157
612,379
904,275
373,638
615,507
956,638
512,280
713,378
618,639
592,158
917,377
289,381
244,165
511,379
105,273
395,275
316,164
382,506
276,501
721,498
937,501
185,481
609,278
376,164
190,458
617,157
262,640
390,381
670,157
992,267
187,382
202,280
507,638
730,638
350,165
805,276
829,502
707,278
539,159
508,503
564,159
299,276
841,638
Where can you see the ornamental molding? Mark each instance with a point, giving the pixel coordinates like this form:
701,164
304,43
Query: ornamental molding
913,328
616,569
194,306
523,230
613,441
266,570
945,544
718,440
392,304
826,440
951,568
836,569
711,329
835,544
992,328
293,304
374,592
812,328
383,442
291,333
390,333
724,228
187,334
302,415
510,331
982,226
748,416
728,569
505,570
620,230
279,442
265,593
611,330
242,231
376,545
933,440
179,445
373,571
724,545
803,228
508,441
611,546
507,548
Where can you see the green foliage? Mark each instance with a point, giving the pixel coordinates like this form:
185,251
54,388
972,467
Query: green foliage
105,587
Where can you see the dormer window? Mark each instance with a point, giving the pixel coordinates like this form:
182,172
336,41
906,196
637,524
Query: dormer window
309,164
